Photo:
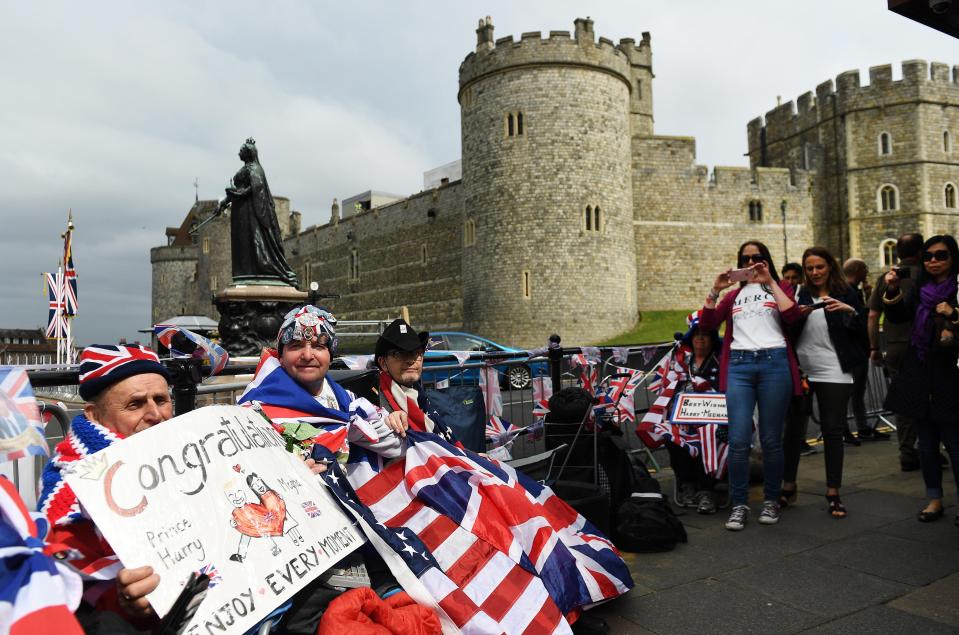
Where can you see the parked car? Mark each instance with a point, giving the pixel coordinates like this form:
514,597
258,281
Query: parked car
515,376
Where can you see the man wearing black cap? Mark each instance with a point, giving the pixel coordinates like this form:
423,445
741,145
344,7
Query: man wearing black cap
399,356
127,391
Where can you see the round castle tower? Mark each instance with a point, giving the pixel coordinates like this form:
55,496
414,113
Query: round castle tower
548,235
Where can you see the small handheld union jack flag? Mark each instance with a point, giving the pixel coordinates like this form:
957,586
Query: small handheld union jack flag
216,354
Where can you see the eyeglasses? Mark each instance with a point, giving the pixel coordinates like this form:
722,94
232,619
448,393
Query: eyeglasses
406,356
755,258
941,255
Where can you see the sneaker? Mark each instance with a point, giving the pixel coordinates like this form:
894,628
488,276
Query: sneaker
770,513
849,439
805,449
737,518
707,502
686,496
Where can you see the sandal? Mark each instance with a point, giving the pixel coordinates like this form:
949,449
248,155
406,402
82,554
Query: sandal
786,496
836,508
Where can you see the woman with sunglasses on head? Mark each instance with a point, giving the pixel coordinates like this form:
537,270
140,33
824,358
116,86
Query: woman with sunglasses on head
927,386
831,347
757,366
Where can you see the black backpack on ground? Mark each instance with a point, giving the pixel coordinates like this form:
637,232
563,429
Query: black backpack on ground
644,522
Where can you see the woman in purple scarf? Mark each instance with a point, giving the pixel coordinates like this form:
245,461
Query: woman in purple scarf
927,387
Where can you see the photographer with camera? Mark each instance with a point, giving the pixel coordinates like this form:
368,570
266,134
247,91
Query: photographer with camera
926,386
896,338
757,366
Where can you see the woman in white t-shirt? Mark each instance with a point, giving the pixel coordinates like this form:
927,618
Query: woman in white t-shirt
831,347
757,367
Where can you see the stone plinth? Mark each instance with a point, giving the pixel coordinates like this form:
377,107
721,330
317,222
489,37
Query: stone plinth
250,315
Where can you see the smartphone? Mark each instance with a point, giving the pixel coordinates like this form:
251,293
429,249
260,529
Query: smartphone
741,275
818,305
902,272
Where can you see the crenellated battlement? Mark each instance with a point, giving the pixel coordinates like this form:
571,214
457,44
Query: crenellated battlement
560,48
921,81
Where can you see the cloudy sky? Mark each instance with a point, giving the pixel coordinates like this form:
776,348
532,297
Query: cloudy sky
113,109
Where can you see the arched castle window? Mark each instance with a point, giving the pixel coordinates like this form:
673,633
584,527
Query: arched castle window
206,244
888,198
756,211
594,219
469,233
946,142
527,285
515,124
423,254
887,252
639,89
213,284
354,273
949,195
885,143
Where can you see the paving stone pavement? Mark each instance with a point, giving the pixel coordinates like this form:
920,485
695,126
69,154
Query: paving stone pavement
877,571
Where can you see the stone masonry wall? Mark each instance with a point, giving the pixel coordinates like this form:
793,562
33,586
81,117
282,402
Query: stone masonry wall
174,290
528,193
389,243
688,225
837,133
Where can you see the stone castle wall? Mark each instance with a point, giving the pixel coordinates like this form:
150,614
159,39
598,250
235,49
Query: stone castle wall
689,223
408,253
837,134
174,289
536,267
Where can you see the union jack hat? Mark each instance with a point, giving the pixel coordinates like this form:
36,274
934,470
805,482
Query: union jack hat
103,365
305,323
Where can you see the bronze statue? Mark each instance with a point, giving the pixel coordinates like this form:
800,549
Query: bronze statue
258,255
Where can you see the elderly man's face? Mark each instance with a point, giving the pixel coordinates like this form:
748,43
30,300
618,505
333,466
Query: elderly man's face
132,405
306,362
405,368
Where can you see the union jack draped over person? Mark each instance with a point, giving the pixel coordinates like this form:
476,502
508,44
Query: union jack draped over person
215,354
38,594
21,427
70,304
699,440
284,402
488,549
56,322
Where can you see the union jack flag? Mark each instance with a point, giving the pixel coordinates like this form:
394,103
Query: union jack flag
489,385
70,304
499,432
211,572
38,593
488,549
21,427
99,361
588,373
56,323
215,354
311,509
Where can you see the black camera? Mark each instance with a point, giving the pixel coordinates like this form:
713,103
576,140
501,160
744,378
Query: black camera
902,272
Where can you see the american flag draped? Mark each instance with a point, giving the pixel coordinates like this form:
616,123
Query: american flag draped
216,355
488,548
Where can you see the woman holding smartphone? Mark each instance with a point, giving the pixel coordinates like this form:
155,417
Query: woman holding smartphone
757,366
831,348
927,385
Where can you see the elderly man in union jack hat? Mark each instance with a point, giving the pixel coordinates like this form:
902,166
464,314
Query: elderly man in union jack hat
126,391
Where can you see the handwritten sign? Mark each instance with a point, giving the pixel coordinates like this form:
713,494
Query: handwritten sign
214,491
699,408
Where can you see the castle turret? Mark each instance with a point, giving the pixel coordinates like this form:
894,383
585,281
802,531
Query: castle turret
548,227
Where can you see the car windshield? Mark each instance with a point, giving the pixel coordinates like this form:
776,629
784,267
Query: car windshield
437,343
465,343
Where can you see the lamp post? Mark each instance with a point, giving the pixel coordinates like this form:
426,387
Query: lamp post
782,208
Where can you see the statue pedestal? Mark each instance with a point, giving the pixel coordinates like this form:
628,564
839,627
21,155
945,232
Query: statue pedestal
251,314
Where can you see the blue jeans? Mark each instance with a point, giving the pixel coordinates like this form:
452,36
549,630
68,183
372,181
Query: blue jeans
761,377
